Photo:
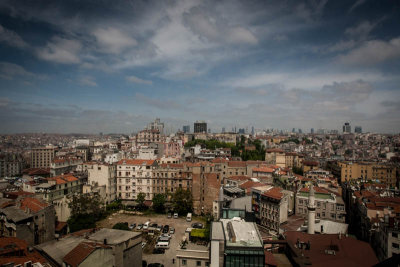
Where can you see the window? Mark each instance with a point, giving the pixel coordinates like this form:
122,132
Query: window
184,263
198,263
394,235
395,245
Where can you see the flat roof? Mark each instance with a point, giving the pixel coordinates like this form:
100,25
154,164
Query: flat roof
246,233
217,231
113,236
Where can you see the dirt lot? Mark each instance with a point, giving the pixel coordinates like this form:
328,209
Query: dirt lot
179,224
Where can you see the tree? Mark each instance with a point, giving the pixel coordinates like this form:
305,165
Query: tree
141,197
86,210
158,202
297,170
182,201
121,226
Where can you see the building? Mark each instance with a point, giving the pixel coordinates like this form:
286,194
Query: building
272,205
328,206
42,157
11,164
156,125
147,137
193,255
235,241
358,129
103,175
200,127
170,177
135,176
327,250
95,247
17,252
186,128
29,219
61,166
347,128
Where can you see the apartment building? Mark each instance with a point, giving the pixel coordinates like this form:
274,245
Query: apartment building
385,174
41,157
328,205
169,177
27,218
146,137
103,175
64,165
135,176
11,164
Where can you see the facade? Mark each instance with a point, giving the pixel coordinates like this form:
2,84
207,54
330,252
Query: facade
235,241
63,166
135,176
328,206
147,137
42,157
169,177
11,165
103,175
102,247
200,127
347,128
29,219
186,129
358,129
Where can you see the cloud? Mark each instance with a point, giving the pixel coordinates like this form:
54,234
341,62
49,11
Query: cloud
135,79
61,50
356,4
113,41
11,38
87,80
372,52
361,31
9,71
163,104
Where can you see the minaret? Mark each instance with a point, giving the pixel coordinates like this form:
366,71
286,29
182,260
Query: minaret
220,201
311,211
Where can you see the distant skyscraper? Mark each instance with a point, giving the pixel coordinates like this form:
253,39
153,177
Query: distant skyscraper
312,130
209,130
358,129
200,127
252,130
293,130
347,128
223,129
300,130
156,125
242,131
186,129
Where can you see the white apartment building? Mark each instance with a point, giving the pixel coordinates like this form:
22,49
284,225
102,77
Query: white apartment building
135,176
103,175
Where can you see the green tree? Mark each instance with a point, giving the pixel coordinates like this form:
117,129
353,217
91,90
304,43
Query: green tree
182,201
158,202
86,210
297,170
141,197
121,226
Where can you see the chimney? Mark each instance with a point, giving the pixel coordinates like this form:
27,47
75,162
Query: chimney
105,241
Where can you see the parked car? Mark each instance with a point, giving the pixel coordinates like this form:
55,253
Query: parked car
132,226
166,229
172,230
146,225
166,235
158,251
169,216
159,228
155,265
175,215
139,227
197,225
154,225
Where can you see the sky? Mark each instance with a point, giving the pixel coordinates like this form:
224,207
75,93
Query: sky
113,66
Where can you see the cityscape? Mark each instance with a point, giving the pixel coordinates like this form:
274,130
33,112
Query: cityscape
191,133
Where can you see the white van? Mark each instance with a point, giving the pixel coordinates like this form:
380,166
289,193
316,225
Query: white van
189,217
162,245
146,225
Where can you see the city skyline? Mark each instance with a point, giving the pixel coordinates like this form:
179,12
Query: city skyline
89,67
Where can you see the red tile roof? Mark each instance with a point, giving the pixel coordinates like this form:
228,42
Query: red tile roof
239,178
237,164
348,251
13,244
60,226
36,171
316,189
310,163
250,184
274,192
63,179
136,162
78,254
32,204
263,169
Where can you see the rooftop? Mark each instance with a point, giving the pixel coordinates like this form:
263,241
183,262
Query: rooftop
239,233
